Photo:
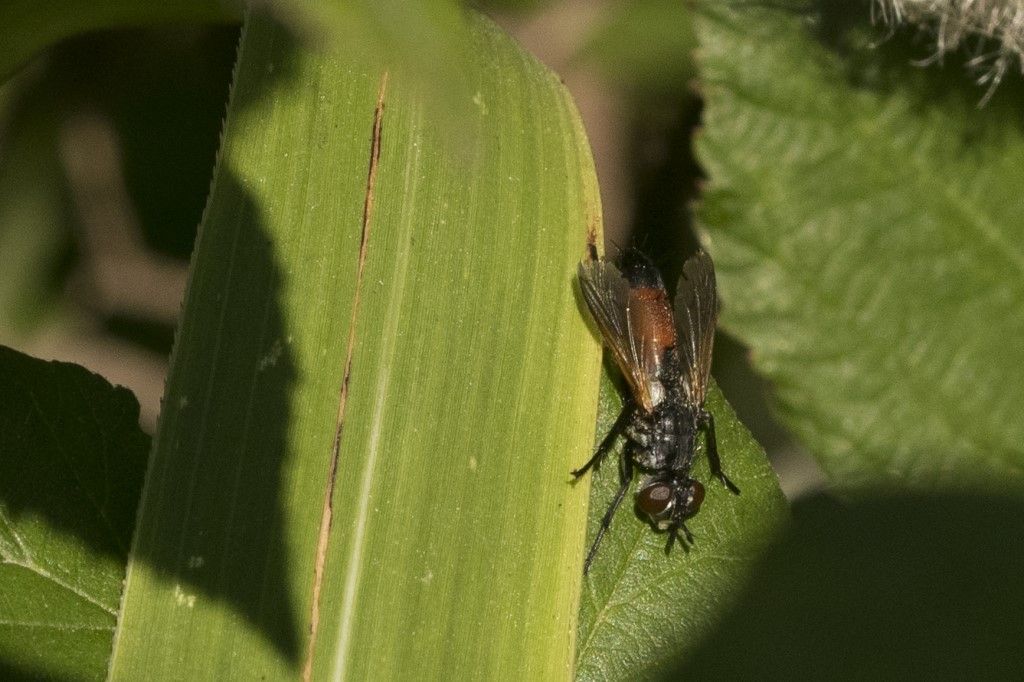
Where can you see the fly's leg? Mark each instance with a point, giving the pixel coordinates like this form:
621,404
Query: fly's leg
707,422
617,428
626,476
678,522
673,536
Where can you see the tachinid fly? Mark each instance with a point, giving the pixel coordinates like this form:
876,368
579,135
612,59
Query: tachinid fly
666,360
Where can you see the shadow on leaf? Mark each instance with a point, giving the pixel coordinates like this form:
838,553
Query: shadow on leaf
214,519
917,587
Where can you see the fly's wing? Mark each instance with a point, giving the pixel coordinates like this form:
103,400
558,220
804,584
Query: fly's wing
607,294
696,316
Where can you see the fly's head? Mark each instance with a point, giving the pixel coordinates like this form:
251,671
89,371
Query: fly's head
669,500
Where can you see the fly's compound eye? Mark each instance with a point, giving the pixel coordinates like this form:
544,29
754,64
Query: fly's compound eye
693,498
656,500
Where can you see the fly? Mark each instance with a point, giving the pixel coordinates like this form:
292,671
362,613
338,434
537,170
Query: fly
666,360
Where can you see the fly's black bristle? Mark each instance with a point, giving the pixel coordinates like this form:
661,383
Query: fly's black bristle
640,270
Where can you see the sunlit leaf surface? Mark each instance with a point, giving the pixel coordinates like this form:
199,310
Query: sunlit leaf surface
866,220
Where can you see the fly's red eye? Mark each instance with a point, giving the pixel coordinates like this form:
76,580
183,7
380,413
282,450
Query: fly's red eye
695,498
655,499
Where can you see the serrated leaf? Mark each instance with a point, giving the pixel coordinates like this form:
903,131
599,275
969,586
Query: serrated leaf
865,218
641,609
72,458
362,284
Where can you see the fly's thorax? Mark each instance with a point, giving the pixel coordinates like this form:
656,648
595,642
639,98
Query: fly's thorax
657,436
672,373
658,392
686,439
670,380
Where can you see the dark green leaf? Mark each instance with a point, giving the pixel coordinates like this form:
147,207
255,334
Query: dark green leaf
640,608
72,458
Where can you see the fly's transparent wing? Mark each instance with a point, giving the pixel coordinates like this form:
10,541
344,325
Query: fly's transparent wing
696,315
607,294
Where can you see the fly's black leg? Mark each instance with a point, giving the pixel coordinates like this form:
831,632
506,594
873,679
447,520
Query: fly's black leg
708,422
678,522
673,536
609,440
626,476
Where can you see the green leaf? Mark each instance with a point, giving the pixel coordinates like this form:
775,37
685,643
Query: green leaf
31,26
921,587
384,322
71,463
641,609
428,42
865,218
644,44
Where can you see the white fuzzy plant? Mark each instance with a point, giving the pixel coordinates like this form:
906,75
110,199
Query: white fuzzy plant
993,28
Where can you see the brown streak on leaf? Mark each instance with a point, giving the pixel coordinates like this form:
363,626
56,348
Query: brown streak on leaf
592,238
326,514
